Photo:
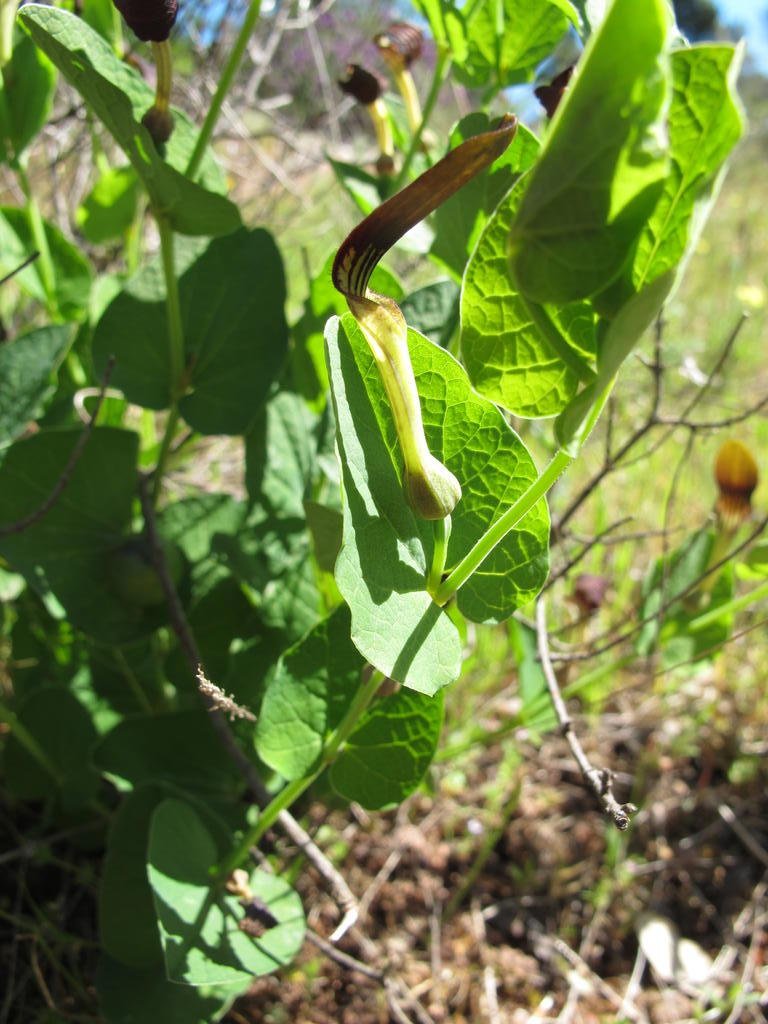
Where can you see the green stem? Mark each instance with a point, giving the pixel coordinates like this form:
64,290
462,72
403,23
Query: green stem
165,448
117,32
291,793
40,238
28,741
7,21
729,608
498,531
175,348
172,307
442,531
225,81
442,67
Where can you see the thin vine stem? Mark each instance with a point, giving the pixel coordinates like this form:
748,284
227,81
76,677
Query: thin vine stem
499,530
442,67
225,82
175,349
291,793
40,239
442,531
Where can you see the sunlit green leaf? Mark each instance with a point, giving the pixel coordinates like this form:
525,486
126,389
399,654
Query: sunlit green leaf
506,39
307,695
109,208
383,565
603,163
389,752
120,97
71,270
26,89
235,335
526,358
459,221
199,922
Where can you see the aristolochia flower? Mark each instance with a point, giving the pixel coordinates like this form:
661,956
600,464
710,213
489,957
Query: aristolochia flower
367,89
151,20
400,46
736,475
430,488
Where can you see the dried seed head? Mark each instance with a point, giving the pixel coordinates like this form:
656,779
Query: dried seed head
549,96
736,475
363,85
151,20
400,45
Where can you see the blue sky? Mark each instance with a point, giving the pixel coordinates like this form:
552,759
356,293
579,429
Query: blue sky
752,15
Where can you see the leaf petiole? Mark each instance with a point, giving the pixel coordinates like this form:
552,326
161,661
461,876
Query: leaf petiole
499,530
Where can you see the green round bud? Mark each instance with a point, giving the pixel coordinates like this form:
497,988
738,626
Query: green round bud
133,576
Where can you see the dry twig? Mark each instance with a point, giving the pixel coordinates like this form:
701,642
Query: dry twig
600,779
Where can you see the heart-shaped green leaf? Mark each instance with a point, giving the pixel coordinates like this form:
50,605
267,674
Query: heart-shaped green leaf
200,932
120,97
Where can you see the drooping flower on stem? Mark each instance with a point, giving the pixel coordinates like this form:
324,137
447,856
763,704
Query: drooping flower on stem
400,45
430,488
152,21
367,89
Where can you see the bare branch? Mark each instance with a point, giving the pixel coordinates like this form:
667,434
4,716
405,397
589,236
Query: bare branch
66,474
693,585
600,779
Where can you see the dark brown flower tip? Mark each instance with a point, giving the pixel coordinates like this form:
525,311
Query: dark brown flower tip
151,20
400,45
159,124
385,165
363,85
374,237
549,96
736,475
589,592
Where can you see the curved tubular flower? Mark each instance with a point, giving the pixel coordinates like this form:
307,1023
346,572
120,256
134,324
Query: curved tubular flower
400,46
367,89
736,475
431,489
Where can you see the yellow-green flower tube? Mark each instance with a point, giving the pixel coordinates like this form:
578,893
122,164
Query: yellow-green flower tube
430,488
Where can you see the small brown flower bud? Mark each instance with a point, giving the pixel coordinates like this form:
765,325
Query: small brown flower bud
736,476
363,85
400,45
589,592
151,20
385,165
159,124
549,96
